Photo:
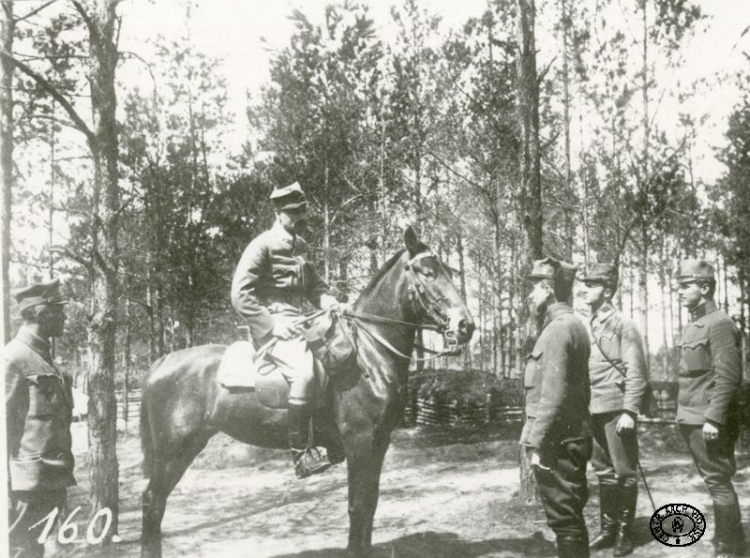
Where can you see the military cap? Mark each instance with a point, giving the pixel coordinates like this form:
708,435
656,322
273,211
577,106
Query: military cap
603,273
288,197
544,269
694,270
39,293
561,273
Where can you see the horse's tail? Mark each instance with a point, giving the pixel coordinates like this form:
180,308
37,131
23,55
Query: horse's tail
147,446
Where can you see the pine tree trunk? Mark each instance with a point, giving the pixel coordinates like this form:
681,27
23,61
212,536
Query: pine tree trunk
104,469
664,290
6,156
531,194
462,287
643,290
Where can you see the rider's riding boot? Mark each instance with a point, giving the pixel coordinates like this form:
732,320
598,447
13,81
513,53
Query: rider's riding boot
627,502
729,540
608,505
308,460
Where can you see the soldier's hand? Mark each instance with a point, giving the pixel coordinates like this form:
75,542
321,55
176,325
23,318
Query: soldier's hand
625,425
536,461
710,432
341,308
284,331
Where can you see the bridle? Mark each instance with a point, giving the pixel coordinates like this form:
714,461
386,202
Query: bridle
424,302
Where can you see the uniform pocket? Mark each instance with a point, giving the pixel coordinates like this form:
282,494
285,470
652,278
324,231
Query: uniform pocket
695,357
46,396
533,364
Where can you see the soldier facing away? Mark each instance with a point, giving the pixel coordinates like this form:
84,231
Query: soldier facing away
618,375
274,283
557,433
708,406
38,406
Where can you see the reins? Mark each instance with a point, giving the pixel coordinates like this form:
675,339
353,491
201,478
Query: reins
418,292
383,341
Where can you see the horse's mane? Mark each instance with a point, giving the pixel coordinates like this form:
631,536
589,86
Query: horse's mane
384,269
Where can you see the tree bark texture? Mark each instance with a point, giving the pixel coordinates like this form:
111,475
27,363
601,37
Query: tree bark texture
101,20
528,107
530,195
6,155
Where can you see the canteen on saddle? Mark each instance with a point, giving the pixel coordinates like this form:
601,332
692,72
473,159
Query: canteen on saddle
269,371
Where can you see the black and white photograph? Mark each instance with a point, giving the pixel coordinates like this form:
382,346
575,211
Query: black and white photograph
375,278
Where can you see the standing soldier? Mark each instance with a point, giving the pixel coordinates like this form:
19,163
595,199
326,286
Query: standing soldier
617,370
708,407
275,282
38,406
557,433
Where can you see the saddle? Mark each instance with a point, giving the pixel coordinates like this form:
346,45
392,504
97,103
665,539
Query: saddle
242,368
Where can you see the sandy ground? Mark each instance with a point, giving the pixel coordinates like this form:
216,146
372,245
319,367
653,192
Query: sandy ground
443,494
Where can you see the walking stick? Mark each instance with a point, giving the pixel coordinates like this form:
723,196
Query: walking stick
648,490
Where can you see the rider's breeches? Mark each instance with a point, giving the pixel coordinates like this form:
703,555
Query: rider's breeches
715,462
295,361
615,457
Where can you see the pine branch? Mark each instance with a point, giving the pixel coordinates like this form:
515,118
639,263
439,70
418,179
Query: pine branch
79,124
68,253
36,11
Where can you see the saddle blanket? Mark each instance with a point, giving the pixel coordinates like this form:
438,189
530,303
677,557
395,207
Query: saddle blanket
237,368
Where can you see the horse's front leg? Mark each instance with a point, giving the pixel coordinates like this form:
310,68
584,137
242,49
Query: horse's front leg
364,456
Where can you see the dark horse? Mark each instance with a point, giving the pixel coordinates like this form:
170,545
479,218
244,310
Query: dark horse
184,406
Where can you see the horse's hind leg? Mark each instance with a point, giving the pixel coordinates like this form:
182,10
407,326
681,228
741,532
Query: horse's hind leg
165,474
364,457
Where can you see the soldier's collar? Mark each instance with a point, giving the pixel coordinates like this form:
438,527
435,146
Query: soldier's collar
604,312
281,232
555,310
37,344
703,309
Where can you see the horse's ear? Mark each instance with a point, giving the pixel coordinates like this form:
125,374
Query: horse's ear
411,241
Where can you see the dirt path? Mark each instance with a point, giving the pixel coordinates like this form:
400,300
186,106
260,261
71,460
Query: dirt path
444,494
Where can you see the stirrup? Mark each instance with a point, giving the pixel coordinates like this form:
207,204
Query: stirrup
310,461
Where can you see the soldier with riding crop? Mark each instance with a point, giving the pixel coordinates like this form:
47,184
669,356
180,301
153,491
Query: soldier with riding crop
619,380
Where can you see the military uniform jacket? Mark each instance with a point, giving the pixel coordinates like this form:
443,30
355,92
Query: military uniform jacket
709,373
557,382
619,339
38,406
275,274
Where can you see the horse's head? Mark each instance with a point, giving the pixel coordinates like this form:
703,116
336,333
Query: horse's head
433,296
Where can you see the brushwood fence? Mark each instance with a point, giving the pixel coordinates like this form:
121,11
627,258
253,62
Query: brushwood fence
474,398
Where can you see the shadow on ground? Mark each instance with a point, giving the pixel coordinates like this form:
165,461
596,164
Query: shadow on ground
443,545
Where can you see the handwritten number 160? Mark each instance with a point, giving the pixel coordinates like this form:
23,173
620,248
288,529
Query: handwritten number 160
69,531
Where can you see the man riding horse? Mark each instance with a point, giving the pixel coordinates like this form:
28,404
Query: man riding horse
274,283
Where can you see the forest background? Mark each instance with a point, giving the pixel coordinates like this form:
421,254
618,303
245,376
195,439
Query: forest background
146,192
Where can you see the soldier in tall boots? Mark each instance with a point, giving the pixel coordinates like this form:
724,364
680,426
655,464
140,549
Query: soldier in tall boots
708,407
39,411
557,432
274,283
619,379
